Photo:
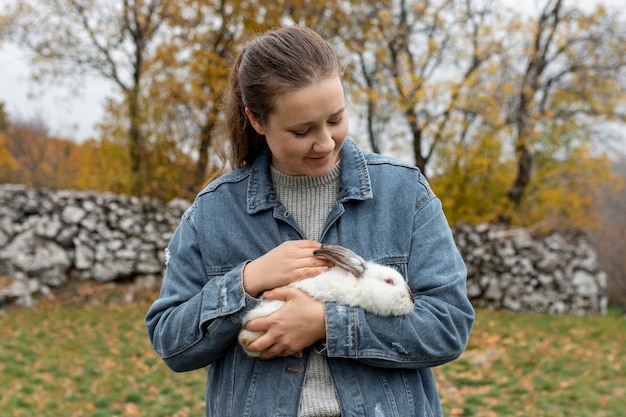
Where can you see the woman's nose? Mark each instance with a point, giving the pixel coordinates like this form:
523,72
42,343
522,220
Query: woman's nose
324,142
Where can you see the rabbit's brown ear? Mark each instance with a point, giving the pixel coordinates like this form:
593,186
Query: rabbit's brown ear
343,258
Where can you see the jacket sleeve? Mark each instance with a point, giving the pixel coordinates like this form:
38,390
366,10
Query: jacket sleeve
197,316
438,328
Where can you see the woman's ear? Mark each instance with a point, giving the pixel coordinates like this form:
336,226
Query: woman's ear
256,124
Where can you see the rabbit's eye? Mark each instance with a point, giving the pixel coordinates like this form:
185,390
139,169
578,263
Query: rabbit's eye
389,281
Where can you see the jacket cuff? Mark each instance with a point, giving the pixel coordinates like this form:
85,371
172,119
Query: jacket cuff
233,300
341,330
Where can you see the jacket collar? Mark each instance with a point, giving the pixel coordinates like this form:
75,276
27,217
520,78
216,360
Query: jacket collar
355,180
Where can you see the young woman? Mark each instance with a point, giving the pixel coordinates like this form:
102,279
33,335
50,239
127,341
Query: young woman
297,183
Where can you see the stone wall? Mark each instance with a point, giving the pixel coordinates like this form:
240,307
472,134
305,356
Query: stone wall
48,238
514,270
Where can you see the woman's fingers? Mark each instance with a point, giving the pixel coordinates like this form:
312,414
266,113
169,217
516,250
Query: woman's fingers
297,324
290,261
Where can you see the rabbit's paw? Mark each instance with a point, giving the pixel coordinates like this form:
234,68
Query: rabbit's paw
246,338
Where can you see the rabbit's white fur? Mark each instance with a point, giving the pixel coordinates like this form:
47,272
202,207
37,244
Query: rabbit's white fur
380,290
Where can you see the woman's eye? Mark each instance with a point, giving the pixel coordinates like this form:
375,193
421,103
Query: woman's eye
303,133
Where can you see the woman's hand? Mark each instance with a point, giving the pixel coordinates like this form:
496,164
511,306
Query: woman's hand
299,323
290,261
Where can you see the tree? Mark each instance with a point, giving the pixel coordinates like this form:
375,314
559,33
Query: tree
610,238
412,62
573,62
188,73
108,38
496,109
30,157
4,119
527,122
7,162
8,165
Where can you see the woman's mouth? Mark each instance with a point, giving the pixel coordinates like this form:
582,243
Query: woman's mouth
321,160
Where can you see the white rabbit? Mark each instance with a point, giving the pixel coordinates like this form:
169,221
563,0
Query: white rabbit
376,288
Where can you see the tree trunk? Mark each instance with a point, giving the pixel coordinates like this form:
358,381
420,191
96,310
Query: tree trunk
420,160
136,147
544,36
204,145
524,170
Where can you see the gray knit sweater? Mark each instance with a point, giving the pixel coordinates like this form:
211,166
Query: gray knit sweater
309,200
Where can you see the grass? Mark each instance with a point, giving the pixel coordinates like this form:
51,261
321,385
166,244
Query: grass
73,361
537,365
76,361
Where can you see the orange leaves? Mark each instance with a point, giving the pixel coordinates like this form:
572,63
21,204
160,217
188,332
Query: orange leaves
563,190
441,79
30,157
7,161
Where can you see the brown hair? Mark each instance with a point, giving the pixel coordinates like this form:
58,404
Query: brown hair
274,63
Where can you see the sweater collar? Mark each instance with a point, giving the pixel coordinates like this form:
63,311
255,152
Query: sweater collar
354,183
304,182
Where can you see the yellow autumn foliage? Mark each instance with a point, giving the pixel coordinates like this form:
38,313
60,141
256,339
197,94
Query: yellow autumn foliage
443,82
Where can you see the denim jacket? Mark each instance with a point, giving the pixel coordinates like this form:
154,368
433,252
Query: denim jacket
386,212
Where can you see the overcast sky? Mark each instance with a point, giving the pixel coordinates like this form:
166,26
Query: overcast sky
73,116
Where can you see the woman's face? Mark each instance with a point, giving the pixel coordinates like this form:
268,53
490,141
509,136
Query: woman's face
307,129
